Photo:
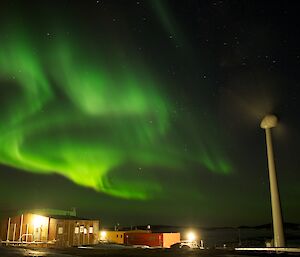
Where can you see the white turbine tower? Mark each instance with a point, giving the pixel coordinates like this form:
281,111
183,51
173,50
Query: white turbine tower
268,122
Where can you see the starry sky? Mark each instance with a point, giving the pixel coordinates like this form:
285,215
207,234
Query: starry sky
148,112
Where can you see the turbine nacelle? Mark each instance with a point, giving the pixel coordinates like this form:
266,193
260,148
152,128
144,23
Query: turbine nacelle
269,121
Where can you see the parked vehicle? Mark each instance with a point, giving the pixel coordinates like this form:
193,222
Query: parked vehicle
186,245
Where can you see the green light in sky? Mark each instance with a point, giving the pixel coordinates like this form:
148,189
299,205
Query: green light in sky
89,120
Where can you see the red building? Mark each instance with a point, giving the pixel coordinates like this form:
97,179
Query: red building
152,239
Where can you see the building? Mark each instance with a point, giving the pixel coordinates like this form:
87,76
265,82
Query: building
49,227
117,237
164,240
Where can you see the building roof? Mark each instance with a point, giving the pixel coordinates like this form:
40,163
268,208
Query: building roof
43,212
65,217
50,212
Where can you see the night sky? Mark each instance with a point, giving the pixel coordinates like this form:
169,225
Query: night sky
148,112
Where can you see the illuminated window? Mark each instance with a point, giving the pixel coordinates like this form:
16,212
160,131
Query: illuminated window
60,230
81,229
76,230
91,230
85,231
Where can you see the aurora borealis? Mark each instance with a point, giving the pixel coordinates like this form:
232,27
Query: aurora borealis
120,103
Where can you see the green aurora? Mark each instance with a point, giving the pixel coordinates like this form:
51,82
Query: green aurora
96,118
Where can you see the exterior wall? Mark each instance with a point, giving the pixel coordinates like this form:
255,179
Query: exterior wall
74,232
117,237
3,229
61,232
26,228
52,230
150,239
170,238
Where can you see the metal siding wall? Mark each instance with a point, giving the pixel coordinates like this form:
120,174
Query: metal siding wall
49,231
52,229
170,238
150,239
115,237
3,228
15,231
69,238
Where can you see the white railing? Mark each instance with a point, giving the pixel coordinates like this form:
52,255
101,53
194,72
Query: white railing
270,249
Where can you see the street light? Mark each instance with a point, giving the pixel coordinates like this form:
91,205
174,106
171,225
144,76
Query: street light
38,221
268,122
191,236
103,235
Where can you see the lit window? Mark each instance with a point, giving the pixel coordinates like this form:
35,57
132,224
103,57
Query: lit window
76,230
81,229
85,231
91,230
60,230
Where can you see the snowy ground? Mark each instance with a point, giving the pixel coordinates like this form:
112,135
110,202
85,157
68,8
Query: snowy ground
118,251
